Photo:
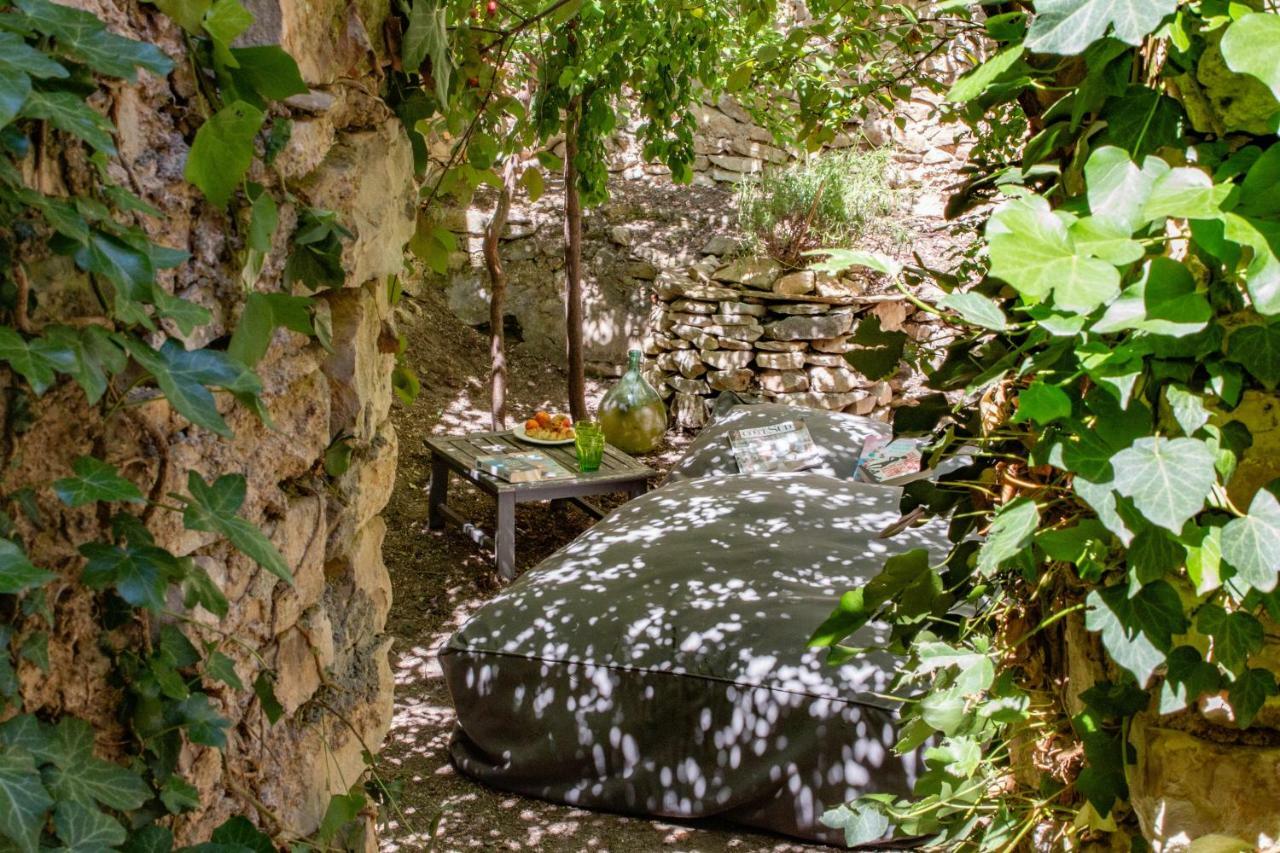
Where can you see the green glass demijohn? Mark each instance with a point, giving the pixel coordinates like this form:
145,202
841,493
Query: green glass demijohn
632,414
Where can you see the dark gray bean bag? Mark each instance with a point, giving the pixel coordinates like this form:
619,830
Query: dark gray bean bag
839,437
657,664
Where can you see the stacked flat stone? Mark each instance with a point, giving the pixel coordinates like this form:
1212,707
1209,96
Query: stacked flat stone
749,327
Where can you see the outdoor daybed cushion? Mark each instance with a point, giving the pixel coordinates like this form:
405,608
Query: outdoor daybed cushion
657,664
839,438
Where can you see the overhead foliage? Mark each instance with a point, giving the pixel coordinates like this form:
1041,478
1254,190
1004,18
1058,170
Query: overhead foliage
1124,324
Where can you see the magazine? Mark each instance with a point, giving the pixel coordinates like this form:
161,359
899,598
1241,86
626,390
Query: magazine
778,447
524,467
886,460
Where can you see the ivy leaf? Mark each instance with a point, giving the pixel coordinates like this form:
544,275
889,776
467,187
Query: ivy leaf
1117,188
427,36
224,22
27,360
203,724
139,574
1067,27
1249,47
15,86
183,374
976,309
1153,554
1167,478
1164,301
1252,544
1257,349
23,800
130,270
1262,276
242,835
199,589
86,830
94,357
342,810
179,795
1106,238
262,314
1031,249
840,260
18,57
1187,408
1136,631
69,112
1249,692
975,81
221,668
95,480
877,352
188,13
1187,678
1142,120
17,574
1042,403
264,689
1185,193
1011,531
862,822
1235,635
531,180
265,73
213,507
82,36
263,218
223,151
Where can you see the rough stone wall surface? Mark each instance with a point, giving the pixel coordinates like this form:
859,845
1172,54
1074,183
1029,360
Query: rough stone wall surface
323,636
650,226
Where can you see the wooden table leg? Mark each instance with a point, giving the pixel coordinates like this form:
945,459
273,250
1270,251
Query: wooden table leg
505,536
439,491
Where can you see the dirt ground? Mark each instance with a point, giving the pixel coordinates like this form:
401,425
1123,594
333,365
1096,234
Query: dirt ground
440,576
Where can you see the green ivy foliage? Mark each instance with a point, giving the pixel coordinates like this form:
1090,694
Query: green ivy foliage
56,791
1123,322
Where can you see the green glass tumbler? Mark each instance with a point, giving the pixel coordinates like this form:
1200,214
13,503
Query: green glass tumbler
589,442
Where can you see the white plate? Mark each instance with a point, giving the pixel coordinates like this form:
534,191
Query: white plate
524,436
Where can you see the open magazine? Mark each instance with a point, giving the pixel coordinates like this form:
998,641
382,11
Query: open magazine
889,461
778,447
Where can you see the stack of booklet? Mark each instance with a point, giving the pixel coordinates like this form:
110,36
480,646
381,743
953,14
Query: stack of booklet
889,460
525,467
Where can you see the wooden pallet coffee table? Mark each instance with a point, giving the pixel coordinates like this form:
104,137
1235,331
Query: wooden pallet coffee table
457,455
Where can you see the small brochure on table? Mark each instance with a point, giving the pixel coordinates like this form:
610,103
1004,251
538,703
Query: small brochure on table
886,459
778,447
528,466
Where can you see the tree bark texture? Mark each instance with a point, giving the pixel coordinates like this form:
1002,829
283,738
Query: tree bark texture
498,297
573,264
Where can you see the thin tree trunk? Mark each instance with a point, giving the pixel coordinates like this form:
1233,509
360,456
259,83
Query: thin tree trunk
498,297
573,263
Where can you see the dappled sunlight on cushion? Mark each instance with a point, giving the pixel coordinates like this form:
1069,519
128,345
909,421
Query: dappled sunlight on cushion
657,664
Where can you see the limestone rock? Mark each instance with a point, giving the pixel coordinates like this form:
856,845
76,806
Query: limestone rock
780,360
297,673
1184,788
367,177
740,333
891,314
805,308
743,309
758,273
824,359
730,343
730,380
741,165
676,317
689,411
358,369
693,306
688,386
831,402
300,539
329,39
720,245
727,359
672,288
781,346
808,328
686,362
783,381
833,380
837,345
795,283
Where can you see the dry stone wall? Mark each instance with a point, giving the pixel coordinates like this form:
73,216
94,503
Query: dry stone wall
323,636
749,327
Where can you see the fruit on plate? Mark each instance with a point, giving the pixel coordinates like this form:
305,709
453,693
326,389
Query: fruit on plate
548,427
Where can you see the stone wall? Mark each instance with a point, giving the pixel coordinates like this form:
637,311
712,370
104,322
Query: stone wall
324,635
750,327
